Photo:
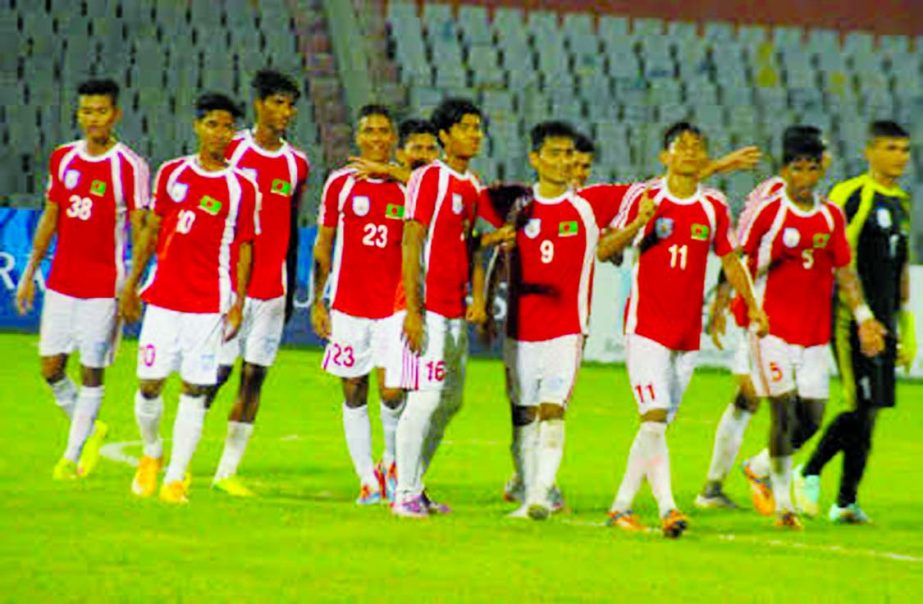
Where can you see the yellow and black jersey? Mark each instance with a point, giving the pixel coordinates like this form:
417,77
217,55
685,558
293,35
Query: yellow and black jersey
878,229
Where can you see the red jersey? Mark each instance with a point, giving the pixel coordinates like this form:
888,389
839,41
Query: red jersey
551,269
95,196
447,203
793,254
606,201
668,278
368,216
281,176
203,215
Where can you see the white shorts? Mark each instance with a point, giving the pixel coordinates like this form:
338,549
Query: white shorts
542,372
89,325
658,375
740,360
260,333
358,345
781,367
179,341
442,364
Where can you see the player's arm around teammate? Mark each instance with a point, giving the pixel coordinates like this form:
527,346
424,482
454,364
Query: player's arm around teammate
96,187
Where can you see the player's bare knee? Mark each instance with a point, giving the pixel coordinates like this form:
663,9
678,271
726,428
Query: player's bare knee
356,391
150,389
748,402
392,398
92,377
195,389
547,411
523,416
53,368
655,415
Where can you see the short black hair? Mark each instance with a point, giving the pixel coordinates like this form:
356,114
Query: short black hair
413,126
100,87
886,129
550,129
676,130
802,142
268,82
583,143
215,101
375,109
450,111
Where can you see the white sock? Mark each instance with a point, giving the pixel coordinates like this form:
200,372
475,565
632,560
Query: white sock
658,465
449,404
759,464
389,419
411,432
359,442
147,415
65,395
550,452
728,437
187,430
85,412
529,443
781,483
634,475
234,446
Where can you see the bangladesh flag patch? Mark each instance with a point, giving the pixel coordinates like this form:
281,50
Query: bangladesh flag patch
98,187
281,187
820,240
394,211
699,232
210,205
568,229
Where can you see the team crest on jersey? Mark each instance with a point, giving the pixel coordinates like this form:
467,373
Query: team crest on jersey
791,237
820,240
361,205
458,203
71,178
178,191
883,215
663,227
533,228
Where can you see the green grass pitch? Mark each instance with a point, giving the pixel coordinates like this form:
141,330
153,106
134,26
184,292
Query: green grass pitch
305,540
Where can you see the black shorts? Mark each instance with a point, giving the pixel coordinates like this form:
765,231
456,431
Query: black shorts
873,378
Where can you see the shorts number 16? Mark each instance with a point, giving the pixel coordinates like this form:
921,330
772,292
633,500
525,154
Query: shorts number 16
435,371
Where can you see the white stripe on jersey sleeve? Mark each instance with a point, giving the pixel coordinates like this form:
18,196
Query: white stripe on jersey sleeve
334,176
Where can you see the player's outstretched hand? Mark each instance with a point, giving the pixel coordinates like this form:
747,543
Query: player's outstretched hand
745,158
320,320
25,295
414,331
871,337
505,236
759,322
233,320
129,304
366,168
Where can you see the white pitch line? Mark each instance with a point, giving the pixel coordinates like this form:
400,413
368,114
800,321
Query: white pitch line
116,452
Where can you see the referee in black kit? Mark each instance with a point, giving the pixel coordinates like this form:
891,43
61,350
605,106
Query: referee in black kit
878,216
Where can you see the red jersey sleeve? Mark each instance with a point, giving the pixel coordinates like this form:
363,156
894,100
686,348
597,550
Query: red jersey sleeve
842,254
759,223
486,210
722,243
329,212
158,203
137,183
606,201
53,189
422,190
248,225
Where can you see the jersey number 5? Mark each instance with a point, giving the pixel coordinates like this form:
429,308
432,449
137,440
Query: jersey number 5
376,235
807,258
80,207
